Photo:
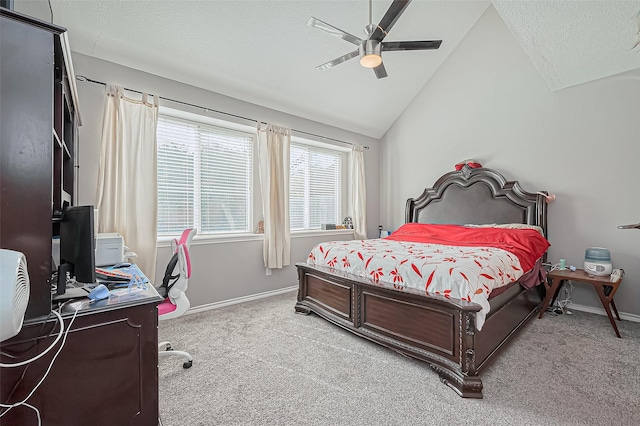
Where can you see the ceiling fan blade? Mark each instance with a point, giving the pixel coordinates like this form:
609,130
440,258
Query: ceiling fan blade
389,19
336,32
338,60
411,45
380,71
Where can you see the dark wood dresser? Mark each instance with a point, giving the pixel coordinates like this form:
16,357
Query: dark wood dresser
106,373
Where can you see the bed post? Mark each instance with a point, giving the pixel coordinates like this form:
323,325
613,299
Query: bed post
468,343
466,382
302,291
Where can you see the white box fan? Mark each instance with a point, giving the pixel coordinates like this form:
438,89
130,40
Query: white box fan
14,292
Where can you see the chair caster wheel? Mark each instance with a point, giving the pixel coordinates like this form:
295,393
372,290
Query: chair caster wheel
187,364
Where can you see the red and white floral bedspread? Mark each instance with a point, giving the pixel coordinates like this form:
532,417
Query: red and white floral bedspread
467,273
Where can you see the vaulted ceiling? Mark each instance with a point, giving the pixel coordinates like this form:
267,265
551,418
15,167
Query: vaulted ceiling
263,52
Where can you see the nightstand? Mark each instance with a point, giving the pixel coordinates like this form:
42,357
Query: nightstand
605,289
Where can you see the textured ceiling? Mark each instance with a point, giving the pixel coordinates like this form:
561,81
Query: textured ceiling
574,42
262,51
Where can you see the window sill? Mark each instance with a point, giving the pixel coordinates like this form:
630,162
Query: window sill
321,233
213,239
238,238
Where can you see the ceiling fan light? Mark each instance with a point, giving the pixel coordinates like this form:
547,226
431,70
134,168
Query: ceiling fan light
370,53
371,61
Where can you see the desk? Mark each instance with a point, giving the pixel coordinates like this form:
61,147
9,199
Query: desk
605,289
106,374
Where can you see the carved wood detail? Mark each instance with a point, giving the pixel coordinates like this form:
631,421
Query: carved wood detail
470,328
465,386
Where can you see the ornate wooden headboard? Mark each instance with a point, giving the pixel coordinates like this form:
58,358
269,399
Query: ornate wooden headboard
477,196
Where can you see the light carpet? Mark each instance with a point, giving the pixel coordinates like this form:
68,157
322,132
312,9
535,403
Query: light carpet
259,363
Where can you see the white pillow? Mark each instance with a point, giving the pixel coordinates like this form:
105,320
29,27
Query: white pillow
508,226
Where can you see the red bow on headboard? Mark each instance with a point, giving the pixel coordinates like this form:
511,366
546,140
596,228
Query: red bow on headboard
471,163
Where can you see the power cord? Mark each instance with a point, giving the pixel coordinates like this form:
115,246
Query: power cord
30,360
18,355
551,266
46,373
34,409
24,351
564,298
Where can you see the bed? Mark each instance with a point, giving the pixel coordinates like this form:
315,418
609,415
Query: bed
441,331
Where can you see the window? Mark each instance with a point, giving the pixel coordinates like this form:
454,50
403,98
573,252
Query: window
205,176
315,186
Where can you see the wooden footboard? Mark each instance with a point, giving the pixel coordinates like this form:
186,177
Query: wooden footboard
438,331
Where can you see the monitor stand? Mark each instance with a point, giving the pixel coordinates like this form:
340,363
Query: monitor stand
63,292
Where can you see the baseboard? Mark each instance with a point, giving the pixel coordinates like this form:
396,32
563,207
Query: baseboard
600,311
237,300
216,305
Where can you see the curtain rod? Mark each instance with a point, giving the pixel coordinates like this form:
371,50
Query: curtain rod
86,79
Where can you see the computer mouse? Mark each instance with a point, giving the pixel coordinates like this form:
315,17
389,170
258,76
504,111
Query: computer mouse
121,265
99,292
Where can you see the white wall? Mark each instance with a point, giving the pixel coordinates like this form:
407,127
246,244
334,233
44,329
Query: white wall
489,103
221,271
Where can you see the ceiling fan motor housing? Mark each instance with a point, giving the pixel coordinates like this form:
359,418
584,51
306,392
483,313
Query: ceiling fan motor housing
370,53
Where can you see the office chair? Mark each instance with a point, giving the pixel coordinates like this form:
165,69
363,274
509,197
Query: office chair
173,287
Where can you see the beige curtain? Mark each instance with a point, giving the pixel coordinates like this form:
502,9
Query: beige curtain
127,174
273,159
358,193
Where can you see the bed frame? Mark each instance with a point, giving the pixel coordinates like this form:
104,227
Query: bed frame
433,329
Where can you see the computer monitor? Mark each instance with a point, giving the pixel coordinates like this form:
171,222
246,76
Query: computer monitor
77,246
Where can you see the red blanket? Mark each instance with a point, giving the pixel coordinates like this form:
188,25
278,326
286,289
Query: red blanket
527,244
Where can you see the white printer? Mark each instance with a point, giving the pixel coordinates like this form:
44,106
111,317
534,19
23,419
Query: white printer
109,249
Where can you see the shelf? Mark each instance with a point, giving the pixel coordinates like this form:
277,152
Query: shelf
66,197
66,95
66,150
56,138
61,144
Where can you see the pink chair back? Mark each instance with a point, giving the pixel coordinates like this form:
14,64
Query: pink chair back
187,259
187,236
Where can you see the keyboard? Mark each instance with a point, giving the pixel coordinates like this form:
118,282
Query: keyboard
111,275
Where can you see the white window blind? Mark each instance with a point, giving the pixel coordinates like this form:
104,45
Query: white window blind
315,186
204,177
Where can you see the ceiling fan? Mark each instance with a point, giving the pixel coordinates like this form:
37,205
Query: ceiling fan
370,49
